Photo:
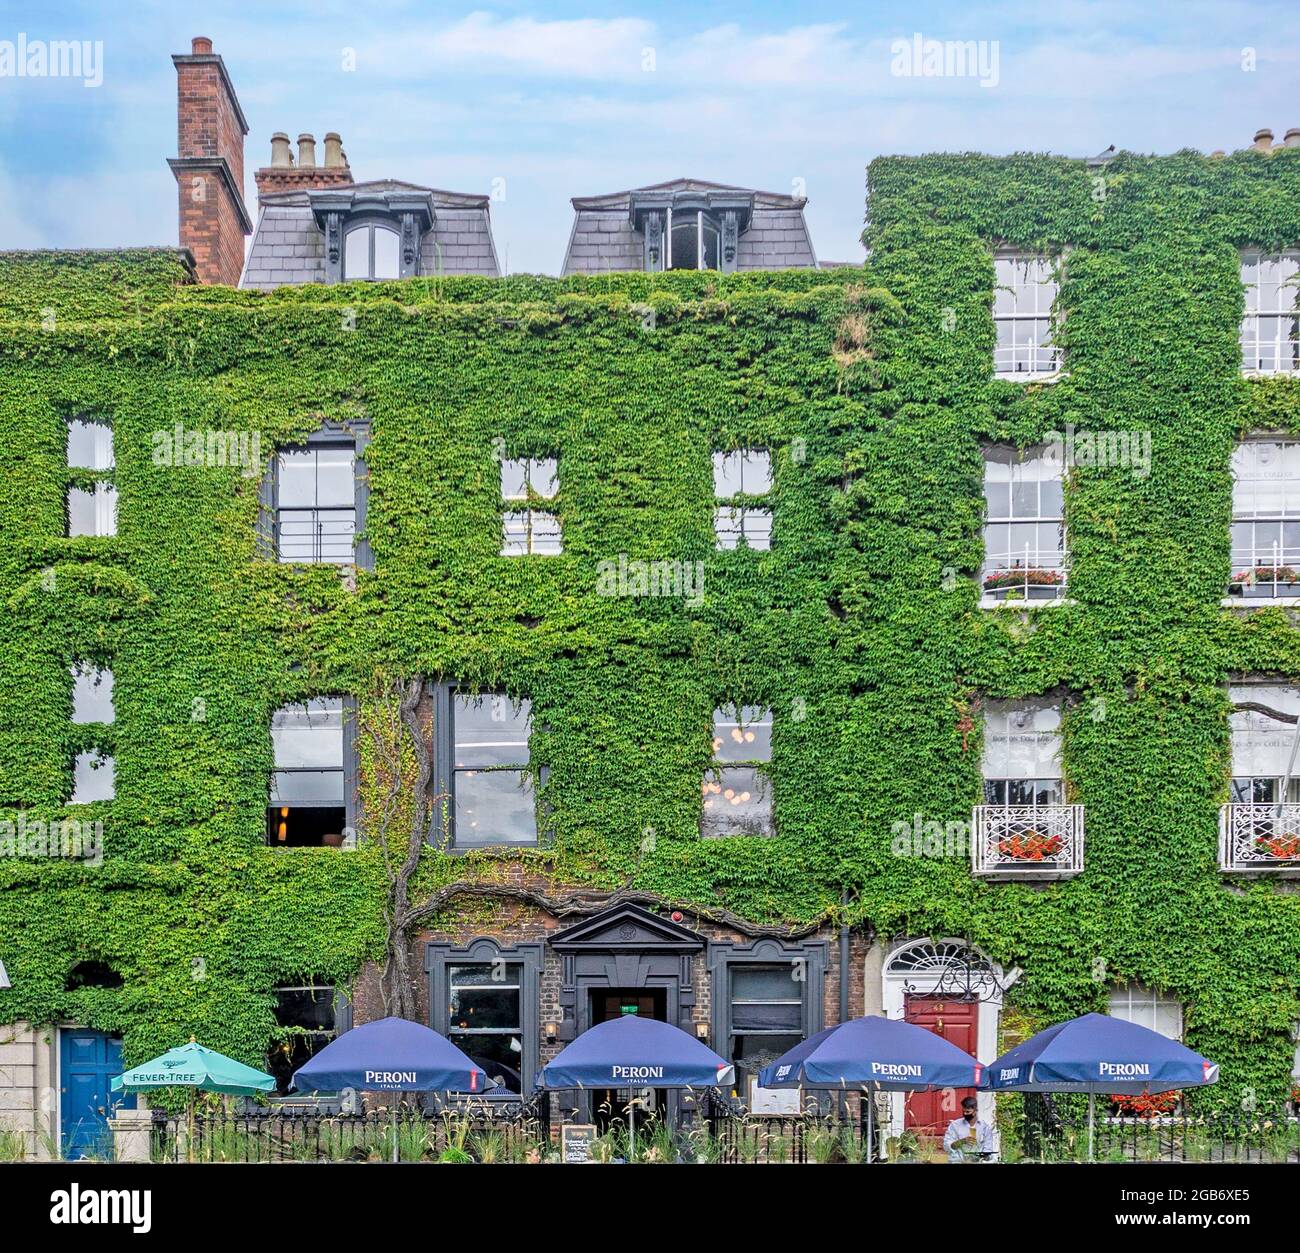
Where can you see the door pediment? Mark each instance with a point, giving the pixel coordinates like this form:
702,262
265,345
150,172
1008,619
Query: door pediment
627,928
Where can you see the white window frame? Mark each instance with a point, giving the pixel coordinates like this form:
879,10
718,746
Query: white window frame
529,532
1027,711
1283,355
1055,560
734,518
104,493
1278,558
1130,1001
1050,367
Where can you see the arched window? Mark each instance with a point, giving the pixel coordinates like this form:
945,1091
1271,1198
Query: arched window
371,252
694,241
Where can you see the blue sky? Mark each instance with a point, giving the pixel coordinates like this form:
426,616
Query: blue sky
564,99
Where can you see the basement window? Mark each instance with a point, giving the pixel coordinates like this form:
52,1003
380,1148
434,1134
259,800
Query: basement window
307,1015
313,786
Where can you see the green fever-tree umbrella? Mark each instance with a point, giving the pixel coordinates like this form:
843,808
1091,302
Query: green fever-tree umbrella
198,1068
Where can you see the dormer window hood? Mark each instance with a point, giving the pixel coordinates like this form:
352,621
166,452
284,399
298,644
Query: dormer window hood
371,233
691,229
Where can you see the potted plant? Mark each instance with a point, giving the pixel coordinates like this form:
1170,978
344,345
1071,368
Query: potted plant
1283,847
1146,1104
1032,582
1264,581
1032,846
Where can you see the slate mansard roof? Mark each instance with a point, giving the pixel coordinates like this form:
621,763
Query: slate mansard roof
289,245
605,237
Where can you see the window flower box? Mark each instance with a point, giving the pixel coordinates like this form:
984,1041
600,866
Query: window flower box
1265,582
1030,846
1283,847
1032,583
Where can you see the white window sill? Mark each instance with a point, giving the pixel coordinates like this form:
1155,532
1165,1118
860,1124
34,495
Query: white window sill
1259,602
1051,376
1270,374
989,602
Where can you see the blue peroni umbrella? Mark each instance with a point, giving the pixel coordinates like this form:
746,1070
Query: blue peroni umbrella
635,1052
875,1054
1097,1053
390,1055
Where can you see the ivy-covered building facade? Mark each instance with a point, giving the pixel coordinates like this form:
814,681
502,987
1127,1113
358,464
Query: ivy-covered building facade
748,648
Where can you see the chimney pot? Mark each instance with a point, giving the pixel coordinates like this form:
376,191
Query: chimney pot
1292,139
201,46
281,152
333,150
1264,140
306,151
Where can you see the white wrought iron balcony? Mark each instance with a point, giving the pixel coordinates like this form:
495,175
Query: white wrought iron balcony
1260,839
1027,841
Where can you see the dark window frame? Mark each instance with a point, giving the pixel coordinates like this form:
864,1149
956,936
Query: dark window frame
760,766
326,1102
351,760
354,436
439,958
442,824
726,957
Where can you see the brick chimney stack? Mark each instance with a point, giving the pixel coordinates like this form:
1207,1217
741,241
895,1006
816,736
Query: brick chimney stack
209,167
284,175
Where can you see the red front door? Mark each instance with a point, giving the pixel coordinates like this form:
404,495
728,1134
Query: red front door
929,1113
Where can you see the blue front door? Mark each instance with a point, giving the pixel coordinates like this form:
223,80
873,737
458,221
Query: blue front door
88,1060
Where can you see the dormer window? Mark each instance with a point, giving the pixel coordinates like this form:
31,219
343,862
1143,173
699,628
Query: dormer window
694,240
692,228
372,252
372,233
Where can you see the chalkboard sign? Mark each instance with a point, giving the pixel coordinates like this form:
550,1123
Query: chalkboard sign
575,1141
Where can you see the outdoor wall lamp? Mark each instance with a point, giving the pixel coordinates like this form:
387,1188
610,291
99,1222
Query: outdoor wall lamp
701,1030
551,1030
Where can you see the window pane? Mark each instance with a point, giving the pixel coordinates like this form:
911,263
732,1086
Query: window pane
500,1055
296,479
93,778
92,513
543,476
766,1016
545,534
685,241
490,730
494,807
481,973
318,789
514,535
387,264
727,527
736,801
309,735
335,477
90,445
514,479
766,983
726,474
356,254
742,736
756,526
92,694
711,242
310,1008
484,1007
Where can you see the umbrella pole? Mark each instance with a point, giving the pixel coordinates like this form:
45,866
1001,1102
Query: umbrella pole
1092,1105
631,1130
395,1153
